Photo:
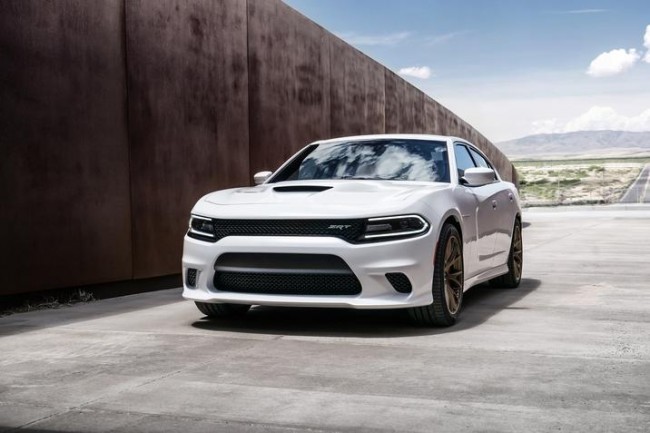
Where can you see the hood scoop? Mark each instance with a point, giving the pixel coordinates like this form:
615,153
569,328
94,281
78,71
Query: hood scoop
301,188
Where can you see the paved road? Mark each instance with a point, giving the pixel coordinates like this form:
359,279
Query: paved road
639,191
569,350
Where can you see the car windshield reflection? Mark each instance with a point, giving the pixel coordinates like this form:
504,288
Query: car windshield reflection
406,160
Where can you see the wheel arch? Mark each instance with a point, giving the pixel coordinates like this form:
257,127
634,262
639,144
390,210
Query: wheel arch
454,219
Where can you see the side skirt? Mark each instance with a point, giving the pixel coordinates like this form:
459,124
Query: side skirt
485,276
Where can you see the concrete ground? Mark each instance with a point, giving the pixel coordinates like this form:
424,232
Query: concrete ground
567,351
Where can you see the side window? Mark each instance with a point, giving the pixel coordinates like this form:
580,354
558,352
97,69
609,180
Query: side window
480,161
463,159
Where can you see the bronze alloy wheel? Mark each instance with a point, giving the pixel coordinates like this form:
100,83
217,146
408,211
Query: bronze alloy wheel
453,275
512,278
517,253
447,283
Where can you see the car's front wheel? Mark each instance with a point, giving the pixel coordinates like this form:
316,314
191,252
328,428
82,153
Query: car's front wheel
448,282
222,310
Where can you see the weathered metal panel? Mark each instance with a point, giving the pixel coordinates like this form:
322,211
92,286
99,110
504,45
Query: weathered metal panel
64,179
356,92
289,82
405,108
392,108
413,104
188,117
431,118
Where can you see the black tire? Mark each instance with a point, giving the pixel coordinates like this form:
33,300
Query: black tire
215,311
448,282
512,279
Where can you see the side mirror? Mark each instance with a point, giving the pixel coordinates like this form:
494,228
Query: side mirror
478,176
261,177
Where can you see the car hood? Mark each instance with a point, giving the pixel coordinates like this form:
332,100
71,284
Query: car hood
341,198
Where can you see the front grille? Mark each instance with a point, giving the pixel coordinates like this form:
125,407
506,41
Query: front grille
400,282
287,284
348,230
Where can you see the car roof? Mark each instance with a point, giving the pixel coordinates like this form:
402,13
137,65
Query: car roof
390,136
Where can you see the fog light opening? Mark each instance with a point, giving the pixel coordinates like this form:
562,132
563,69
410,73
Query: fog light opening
191,277
400,282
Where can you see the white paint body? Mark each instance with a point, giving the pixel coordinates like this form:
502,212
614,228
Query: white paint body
486,216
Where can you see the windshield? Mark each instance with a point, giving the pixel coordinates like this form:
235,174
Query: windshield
387,159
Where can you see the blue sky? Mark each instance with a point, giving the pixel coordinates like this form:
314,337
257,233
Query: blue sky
511,68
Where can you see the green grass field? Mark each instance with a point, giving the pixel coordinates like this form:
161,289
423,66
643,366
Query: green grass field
576,181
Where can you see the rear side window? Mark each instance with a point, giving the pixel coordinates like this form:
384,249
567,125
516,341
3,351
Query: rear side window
463,159
478,158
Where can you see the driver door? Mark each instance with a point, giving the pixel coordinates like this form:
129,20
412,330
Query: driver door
486,217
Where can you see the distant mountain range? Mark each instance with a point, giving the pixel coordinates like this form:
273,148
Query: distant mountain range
582,144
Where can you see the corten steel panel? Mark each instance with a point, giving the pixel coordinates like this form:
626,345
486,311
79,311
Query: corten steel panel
188,117
414,105
356,92
405,109
289,82
432,124
393,95
64,219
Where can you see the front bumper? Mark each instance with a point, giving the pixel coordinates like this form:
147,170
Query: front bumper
369,262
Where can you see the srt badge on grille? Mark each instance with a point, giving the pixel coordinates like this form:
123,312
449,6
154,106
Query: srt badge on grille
339,226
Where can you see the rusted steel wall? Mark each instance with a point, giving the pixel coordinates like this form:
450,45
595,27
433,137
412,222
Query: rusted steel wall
357,92
289,82
64,161
116,116
188,117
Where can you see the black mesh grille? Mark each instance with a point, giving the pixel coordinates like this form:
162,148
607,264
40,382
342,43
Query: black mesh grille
191,277
287,284
400,282
349,230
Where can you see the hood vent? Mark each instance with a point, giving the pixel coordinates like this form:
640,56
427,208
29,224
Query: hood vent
302,188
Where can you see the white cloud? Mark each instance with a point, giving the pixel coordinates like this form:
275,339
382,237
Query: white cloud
582,11
646,43
445,37
597,118
547,126
374,40
613,62
422,72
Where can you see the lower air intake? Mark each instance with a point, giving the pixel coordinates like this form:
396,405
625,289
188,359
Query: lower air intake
400,282
287,283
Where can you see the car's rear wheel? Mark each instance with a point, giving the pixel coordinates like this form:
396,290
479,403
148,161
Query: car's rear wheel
448,282
512,279
222,310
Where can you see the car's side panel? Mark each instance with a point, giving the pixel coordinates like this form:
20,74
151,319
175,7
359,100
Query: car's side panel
488,218
508,206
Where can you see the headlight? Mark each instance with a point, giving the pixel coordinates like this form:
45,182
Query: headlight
394,226
202,228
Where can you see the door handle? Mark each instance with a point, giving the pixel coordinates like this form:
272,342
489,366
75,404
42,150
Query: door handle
511,197
494,204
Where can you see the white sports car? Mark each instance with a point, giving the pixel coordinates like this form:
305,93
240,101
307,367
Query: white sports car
381,221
